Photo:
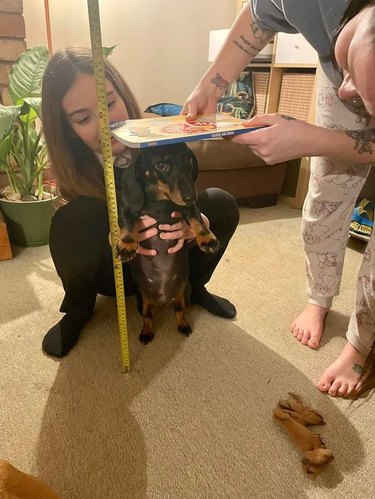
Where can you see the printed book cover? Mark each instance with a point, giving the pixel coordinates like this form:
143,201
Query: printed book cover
157,131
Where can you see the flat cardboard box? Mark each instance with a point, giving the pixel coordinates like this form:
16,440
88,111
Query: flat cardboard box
159,131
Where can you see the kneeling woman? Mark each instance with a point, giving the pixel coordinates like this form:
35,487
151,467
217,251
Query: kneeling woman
79,232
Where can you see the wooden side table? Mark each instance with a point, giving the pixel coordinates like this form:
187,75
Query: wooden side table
5,247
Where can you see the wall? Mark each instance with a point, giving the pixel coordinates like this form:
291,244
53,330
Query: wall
162,44
12,34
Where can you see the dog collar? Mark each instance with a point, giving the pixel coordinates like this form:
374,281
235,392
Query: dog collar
122,161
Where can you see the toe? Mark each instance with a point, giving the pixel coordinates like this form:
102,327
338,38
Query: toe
352,389
300,335
342,390
334,388
295,331
323,386
312,343
305,338
325,382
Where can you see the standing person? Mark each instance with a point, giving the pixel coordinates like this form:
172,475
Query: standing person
341,144
79,231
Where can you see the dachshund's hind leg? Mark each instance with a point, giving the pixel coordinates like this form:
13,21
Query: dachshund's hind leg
147,333
179,307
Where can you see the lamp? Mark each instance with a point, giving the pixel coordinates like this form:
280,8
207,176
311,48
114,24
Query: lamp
217,38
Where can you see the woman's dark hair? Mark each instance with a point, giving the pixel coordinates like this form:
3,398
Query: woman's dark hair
74,165
368,378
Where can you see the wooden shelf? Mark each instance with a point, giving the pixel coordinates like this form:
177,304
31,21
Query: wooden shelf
294,66
259,65
280,89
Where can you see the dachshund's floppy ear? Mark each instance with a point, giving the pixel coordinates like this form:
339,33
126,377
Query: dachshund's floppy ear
131,191
194,161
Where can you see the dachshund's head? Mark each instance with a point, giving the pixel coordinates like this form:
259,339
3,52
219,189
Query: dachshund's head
162,173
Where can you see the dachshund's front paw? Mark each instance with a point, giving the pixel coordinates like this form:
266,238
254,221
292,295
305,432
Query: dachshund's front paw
126,250
209,244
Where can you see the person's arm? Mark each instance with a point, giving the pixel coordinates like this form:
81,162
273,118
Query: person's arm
244,41
285,138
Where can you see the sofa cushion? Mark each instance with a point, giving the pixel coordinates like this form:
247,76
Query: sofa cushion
222,154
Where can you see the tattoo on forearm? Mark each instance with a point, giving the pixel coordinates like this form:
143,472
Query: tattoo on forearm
263,35
220,82
250,49
259,34
286,117
364,140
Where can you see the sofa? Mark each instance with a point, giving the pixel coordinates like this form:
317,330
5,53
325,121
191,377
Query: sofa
236,169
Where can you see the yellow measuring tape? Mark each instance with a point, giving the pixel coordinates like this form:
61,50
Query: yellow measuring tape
97,56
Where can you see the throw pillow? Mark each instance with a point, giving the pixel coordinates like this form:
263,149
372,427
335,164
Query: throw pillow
164,109
239,98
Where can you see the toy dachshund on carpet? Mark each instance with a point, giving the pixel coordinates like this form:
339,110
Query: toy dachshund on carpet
14,484
158,182
294,416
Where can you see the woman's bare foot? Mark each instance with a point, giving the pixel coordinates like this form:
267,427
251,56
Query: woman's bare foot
341,378
308,327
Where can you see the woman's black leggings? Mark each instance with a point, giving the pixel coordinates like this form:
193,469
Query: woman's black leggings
83,258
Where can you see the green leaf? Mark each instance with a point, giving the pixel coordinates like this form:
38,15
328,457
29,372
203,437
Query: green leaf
25,79
107,51
28,113
23,153
8,116
36,104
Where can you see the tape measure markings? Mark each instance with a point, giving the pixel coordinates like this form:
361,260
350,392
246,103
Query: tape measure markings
97,57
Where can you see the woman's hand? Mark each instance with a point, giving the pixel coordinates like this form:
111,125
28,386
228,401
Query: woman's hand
202,100
180,231
282,139
144,226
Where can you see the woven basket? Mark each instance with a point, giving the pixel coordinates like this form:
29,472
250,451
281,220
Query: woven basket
295,95
260,84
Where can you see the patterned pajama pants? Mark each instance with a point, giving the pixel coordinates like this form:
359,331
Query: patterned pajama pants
333,189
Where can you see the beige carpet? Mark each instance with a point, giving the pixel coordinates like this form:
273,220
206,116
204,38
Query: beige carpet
193,418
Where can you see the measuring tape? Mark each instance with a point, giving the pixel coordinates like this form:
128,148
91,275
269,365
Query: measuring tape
97,57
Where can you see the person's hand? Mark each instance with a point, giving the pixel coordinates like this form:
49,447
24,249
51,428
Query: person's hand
179,231
283,138
202,100
144,226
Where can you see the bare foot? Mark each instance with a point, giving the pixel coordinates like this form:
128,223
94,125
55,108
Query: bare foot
341,378
308,327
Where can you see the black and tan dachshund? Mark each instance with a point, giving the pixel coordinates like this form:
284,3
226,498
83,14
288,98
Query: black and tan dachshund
158,182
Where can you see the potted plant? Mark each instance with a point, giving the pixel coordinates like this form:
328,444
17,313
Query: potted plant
23,155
